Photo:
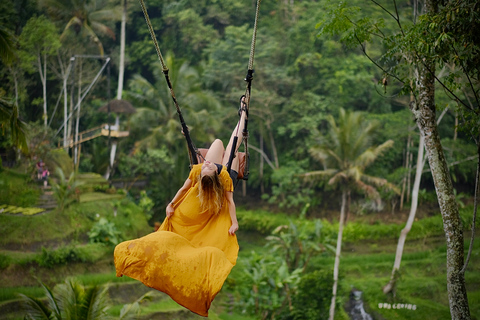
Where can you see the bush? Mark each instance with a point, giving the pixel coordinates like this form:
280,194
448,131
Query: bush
50,258
313,297
260,221
104,232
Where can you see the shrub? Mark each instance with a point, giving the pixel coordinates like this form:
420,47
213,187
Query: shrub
146,204
105,232
265,284
260,221
50,258
313,296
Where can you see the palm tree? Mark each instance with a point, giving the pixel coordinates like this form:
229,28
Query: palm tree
72,301
9,119
86,17
156,115
345,159
7,51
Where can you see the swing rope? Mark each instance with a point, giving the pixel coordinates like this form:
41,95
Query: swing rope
248,90
192,150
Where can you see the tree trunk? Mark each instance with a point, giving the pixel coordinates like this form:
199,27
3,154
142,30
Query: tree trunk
409,171
43,78
77,120
262,187
65,111
405,176
425,117
121,71
337,254
411,218
121,66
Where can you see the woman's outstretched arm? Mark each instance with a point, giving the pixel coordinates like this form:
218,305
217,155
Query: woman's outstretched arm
233,213
180,193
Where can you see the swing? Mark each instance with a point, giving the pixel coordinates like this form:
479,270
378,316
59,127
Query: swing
197,155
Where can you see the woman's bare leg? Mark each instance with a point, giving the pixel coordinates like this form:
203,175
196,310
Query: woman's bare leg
215,152
238,131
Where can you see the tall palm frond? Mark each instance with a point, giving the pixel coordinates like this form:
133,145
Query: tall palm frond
95,303
9,119
7,40
85,18
349,152
372,153
156,120
52,302
35,308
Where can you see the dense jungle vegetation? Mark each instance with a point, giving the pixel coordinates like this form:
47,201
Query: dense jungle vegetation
332,90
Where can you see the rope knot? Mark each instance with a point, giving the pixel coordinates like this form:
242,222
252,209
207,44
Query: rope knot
249,76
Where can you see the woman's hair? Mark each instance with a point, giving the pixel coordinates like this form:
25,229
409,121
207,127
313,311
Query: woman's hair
210,192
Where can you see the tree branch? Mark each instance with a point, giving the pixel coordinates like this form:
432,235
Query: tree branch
441,83
468,77
378,66
455,162
263,154
397,19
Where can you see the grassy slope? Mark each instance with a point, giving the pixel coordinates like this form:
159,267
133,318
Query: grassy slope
366,262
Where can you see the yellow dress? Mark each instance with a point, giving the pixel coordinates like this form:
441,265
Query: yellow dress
190,256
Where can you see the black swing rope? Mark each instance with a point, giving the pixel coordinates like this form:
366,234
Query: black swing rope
192,150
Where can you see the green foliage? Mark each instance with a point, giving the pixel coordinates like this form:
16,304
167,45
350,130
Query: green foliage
105,232
11,121
4,261
146,204
355,231
313,296
268,281
70,299
16,189
73,300
50,258
265,285
298,243
38,40
260,221
65,191
288,189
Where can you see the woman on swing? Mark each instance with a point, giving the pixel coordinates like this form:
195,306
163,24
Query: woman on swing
212,177
193,251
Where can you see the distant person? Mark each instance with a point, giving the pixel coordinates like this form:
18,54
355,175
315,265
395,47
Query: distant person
39,166
193,251
45,175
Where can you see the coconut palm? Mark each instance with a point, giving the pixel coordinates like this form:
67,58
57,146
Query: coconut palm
156,118
72,301
7,51
85,17
345,159
10,120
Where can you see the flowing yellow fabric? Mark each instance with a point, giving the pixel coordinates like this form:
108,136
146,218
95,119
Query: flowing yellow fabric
190,256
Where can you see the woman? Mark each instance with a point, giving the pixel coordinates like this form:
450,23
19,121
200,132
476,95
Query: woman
212,173
193,251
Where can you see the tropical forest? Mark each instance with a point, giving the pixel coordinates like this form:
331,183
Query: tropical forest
355,128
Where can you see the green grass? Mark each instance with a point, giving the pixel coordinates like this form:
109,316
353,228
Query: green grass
99,196
91,279
7,294
366,261
17,189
